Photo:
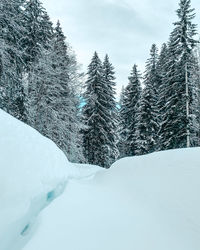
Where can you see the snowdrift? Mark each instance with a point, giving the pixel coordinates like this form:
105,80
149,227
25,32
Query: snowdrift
33,172
143,203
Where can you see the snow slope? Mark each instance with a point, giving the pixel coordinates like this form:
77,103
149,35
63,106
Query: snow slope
142,203
33,172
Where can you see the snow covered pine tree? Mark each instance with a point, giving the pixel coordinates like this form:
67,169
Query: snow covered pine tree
178,122
148,115
52,101
12,33
99,144
129,113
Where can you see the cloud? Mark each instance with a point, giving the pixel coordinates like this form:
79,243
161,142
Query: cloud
125,29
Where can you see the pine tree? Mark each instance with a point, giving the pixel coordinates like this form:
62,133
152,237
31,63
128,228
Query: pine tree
122,96
148,117
122,124
162,70
98,137
73,139
110,85
142,127
52,102
11,57
196,79
177,123
129,111
39,30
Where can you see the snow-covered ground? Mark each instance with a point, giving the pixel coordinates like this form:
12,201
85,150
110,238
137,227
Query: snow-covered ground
144,203
33,172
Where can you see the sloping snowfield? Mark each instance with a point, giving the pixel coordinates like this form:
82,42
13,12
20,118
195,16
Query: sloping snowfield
142,203
33,172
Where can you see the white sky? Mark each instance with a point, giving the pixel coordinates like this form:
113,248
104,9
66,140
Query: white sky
124,29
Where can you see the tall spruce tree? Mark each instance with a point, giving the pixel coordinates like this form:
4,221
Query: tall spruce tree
52,101
129,112
73,124
110,85
162,70
98,137
122,124
177,124
11,57
196,78
39,30
148,118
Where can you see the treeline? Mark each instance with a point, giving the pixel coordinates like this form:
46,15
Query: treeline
158,111
165,114
40,84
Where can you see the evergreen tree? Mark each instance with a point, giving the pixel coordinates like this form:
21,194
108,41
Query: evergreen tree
196,79
122,96
11,57
129,112
52,102
162,70
122,124
73,139
148,117
194,117
177,124
98,137
110,85
39,30
134,92
142,127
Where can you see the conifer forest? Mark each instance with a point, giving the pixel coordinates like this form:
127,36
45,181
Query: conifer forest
43,85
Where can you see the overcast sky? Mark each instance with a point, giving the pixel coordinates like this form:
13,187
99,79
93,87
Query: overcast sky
124,29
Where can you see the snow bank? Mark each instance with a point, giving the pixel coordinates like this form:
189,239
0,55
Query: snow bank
144,203
33,172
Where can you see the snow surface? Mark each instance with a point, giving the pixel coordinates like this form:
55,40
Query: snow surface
33,172
142,203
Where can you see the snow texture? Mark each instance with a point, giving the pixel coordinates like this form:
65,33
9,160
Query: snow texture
145,203
33,172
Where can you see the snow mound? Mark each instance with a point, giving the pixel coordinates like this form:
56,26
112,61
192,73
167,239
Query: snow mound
144,203
33,172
